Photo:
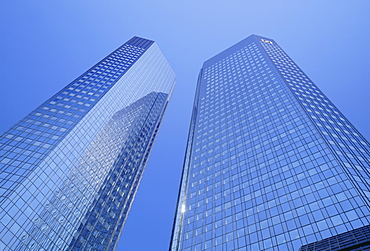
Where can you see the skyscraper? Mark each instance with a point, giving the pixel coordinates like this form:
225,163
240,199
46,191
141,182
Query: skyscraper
271,163
71,168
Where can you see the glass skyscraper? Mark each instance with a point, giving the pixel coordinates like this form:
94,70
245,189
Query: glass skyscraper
271,163
69,170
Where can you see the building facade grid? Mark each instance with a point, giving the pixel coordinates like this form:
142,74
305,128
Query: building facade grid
271,164
58,164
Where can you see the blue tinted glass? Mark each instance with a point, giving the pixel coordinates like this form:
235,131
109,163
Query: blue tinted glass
269,160
71,168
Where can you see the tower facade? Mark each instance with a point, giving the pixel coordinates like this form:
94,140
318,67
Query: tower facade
271,163
71,168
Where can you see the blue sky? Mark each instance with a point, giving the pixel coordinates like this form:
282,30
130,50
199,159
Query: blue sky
47,44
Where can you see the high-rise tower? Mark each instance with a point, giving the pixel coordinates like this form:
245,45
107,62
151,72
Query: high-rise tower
71,168
271,163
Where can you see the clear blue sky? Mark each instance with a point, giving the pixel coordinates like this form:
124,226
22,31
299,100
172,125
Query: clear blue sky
47,44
